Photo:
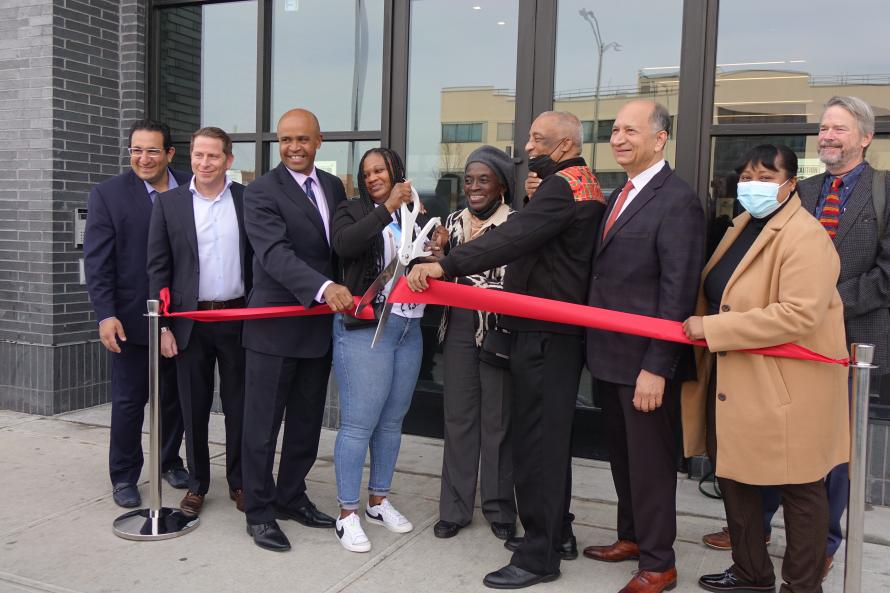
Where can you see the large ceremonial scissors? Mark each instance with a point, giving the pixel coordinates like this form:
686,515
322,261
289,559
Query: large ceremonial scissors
410,248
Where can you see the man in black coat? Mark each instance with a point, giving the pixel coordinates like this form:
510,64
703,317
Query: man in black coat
287,215
547,247
650,253
114,250
198,250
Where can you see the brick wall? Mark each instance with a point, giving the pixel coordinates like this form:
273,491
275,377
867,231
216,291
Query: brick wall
72,78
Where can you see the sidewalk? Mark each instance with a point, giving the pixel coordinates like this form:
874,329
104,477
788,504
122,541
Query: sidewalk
57,511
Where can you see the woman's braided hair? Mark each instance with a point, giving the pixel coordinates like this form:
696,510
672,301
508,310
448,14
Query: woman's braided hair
373,259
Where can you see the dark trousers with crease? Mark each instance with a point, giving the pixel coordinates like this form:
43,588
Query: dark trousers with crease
276,388
478,403
806,524
643,457
129,394
545,368
211,344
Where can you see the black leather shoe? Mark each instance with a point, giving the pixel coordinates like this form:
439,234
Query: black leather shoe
513,577
269,536
126,495
503,531
568,550
307,515
177,477
729,581
445,529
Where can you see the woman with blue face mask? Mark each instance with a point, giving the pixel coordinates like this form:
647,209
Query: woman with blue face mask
767,421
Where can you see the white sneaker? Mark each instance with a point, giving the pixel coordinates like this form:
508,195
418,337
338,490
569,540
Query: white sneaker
350,533
385,514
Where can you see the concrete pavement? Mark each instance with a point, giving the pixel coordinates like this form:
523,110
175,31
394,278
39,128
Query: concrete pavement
57,511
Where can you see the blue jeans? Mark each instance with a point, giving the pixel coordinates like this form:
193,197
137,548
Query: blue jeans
376,386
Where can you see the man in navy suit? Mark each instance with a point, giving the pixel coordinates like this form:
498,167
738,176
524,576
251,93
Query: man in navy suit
197,249
114,252
649,257
287,215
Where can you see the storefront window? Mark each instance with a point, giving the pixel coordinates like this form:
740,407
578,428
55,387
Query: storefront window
327,57
778,62
208,67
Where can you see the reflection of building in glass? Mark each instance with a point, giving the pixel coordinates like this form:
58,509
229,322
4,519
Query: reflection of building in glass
744,96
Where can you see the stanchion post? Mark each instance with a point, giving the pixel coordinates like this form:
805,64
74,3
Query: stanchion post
861,366
155,522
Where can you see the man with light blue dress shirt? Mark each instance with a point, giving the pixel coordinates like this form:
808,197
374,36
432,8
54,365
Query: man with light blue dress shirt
197,250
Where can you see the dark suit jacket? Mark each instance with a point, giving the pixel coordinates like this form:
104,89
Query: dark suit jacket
864,282
650,263
173,254
292,260
114,251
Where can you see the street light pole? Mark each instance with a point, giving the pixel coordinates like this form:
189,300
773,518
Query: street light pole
601,48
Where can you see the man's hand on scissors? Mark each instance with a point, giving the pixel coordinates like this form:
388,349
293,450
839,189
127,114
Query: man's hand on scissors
400,194
338,298
417,279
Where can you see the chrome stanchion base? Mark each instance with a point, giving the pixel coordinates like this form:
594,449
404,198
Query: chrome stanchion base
145,524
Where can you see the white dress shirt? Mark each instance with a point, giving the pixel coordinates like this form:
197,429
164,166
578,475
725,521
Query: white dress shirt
171,184
219,245
322,204
640,182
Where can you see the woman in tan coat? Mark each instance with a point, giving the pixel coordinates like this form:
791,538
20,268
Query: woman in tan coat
766,420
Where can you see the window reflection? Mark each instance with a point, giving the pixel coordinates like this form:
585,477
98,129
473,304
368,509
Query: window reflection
604,59
327,56
782,69
208,67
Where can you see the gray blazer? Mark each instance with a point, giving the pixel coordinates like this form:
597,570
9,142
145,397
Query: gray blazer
864,283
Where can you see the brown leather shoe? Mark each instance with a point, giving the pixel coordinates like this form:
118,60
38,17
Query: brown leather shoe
237,495
829,562
721,540
617,552
651,582
191,504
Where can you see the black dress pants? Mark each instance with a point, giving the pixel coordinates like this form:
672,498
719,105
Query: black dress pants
806,528
545,368
129,394
478,402
277,388
643,457
209,344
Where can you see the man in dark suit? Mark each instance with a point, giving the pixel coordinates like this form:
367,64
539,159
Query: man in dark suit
114,250
197,249
547,247
650,253
287,215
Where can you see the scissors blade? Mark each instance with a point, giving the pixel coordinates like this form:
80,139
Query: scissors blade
384,315
377,285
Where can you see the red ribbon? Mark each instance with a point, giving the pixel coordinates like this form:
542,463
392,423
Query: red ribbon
529,307
253,312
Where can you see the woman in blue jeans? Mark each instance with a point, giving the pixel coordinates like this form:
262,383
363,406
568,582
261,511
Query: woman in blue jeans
376,384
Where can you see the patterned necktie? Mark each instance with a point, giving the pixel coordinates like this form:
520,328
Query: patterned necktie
619,203
831,210
307,185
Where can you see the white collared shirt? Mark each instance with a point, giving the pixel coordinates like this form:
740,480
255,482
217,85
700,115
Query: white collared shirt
640,182
219,245
171,184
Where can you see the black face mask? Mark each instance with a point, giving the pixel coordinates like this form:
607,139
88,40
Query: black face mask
488,211
542,164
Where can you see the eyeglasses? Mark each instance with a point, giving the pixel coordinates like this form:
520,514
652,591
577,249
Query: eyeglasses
152,153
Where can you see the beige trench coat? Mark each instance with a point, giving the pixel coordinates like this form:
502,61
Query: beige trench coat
779,421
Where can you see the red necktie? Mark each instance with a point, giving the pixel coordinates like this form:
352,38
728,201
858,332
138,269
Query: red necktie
831,210
619,203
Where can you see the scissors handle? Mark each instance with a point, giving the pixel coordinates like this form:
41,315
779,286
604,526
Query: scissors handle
409,219
418,249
